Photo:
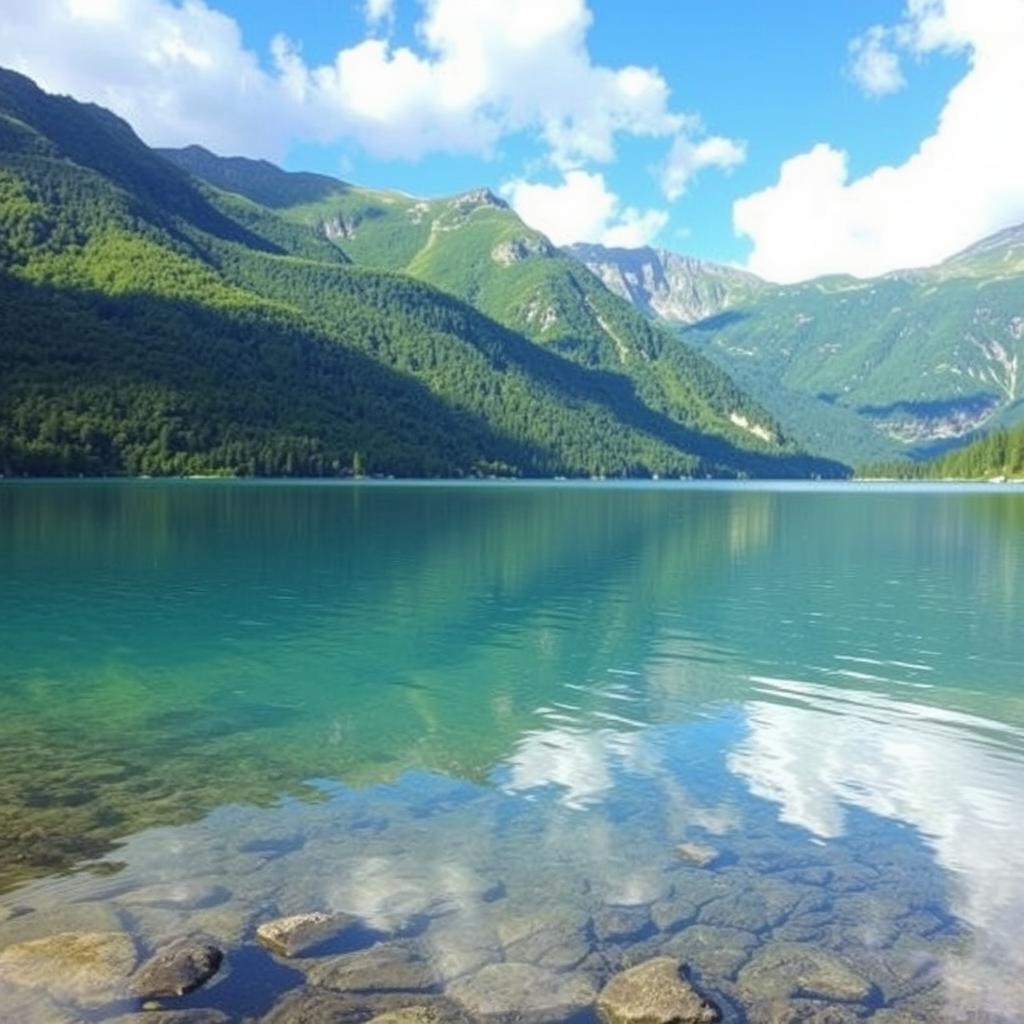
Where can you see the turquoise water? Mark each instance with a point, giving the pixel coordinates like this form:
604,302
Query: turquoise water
483,718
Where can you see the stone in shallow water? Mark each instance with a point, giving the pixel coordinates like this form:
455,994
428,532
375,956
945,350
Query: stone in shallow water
386,967
177,969
294,935
196,1016
802,1011
671,913
522,993
22,1006
187,894
715,952
697,853
90,968
620,924
654,993
436,1014
757,903
786,970
311,1005
87,916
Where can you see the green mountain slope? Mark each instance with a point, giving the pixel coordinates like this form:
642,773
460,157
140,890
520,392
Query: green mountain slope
903,365
475,248
998,455
156,324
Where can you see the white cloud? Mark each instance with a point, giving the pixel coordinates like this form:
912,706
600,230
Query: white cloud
181,73
962,183
379,12
688,156
582,209
874,64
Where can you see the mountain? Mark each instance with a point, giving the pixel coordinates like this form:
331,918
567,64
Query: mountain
474,247
154,323
666,285
900,366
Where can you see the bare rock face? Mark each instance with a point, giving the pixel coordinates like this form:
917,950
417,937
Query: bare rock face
177,969
654,993
88,968
294,935
522,993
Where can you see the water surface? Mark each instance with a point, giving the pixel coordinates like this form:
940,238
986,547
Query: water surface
484,717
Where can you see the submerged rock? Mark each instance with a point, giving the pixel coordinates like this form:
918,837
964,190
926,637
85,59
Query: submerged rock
717,952
697,853
802,1011
522,993
177,969
386,967
294,935
620,924
90,968
788,970
672,913
654,993
196,1016
311,1005
187,894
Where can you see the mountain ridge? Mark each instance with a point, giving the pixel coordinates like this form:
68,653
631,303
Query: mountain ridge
906,364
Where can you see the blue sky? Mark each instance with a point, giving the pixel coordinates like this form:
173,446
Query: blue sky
795,137
773,75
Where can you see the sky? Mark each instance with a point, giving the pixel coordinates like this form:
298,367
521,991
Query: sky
794,138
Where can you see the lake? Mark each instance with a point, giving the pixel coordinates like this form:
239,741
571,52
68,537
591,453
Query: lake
774,732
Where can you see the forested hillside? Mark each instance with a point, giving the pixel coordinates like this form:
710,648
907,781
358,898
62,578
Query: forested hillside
998,455
155,324
475,248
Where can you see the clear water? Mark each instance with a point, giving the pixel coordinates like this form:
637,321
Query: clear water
484,717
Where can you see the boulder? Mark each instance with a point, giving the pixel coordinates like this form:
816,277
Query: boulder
177,969
88,968
654,992
311,1005
522,993
298,933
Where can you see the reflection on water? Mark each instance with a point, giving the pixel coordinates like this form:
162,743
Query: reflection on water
483,719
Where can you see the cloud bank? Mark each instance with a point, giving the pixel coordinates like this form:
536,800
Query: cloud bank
962,183
480,72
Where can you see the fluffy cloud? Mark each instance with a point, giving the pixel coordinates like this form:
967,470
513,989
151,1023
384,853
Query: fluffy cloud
182,74
874,65
962,183
179,72
582,209
689,155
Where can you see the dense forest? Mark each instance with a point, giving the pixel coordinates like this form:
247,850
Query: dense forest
999,454
156,324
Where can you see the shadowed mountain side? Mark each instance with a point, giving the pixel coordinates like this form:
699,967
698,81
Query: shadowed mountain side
329,294
39,125
153,385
